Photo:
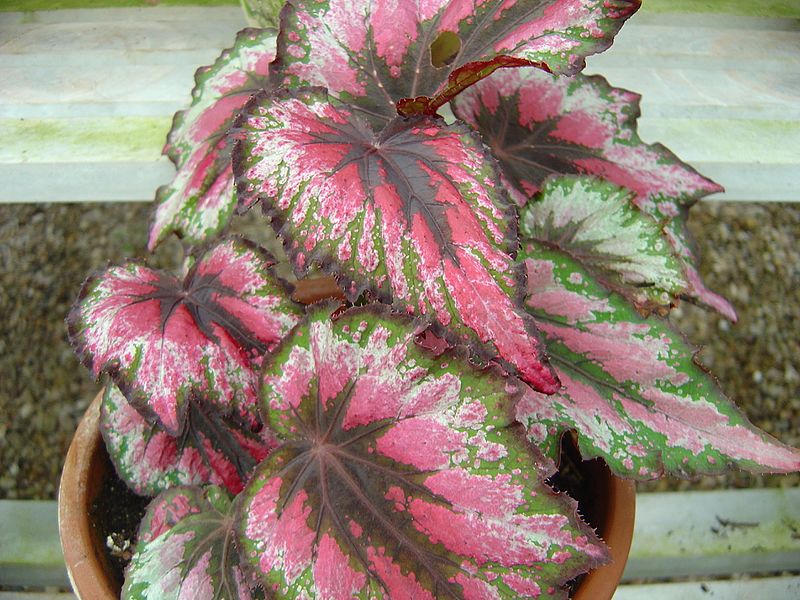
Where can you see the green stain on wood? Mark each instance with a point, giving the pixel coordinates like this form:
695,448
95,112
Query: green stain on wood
28,6
83,139
745,8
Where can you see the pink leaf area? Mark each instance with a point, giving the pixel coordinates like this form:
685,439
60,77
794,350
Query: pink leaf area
211,449
199,201
162,339
401,478
597,223
632,387
414,214
538,125
186,550
424,52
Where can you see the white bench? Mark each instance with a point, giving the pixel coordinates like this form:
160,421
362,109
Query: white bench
88,96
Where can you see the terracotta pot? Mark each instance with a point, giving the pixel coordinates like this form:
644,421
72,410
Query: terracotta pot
87,465
85,468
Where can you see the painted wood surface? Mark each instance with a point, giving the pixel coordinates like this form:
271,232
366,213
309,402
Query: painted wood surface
88,96
676,535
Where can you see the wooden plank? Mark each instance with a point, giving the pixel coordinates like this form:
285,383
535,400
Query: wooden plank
141,138
37,596
715,533
83,182
104,139
30,553
713,94
768,588
48,41
128,181
189,12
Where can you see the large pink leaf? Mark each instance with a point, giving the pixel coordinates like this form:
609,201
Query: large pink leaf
162,339
374,54
211,448
538,125
631,385
199,201
596,223
186,550
398,476
415,214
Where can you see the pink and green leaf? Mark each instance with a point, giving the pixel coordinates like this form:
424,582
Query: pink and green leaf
632,387
422,53
162,340
415,214
598,224
399,476
198,203
186,549
538,125
210,450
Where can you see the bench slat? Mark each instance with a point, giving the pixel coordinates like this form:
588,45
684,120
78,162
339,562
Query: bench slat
30,553
715,533
771,588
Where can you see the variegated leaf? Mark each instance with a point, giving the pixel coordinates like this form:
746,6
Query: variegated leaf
631,385
200,200
538,125
415,214
424,52
398,476
210,450
186,550
162,339
597,223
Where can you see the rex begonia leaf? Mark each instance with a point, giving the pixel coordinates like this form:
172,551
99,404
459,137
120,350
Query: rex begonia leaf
198,203
632,388
373,54
161,339
597,223
399,476
212,449
186,549
538,125
415,214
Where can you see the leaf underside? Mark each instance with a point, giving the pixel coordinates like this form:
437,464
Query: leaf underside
631,386
375,54
538,125
162,340
398,476
210,450
597,224
198,203
414,214
186,549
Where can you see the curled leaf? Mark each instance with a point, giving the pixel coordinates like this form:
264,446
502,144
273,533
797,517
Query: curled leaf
200,199
398,476
162,339
186,549
596,223
210,450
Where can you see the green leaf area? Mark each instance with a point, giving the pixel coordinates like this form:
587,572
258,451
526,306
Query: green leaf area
631,386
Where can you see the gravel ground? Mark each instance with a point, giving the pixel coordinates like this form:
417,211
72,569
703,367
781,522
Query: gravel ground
750,254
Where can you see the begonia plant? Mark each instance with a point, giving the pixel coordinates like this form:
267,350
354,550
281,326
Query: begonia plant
506,277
